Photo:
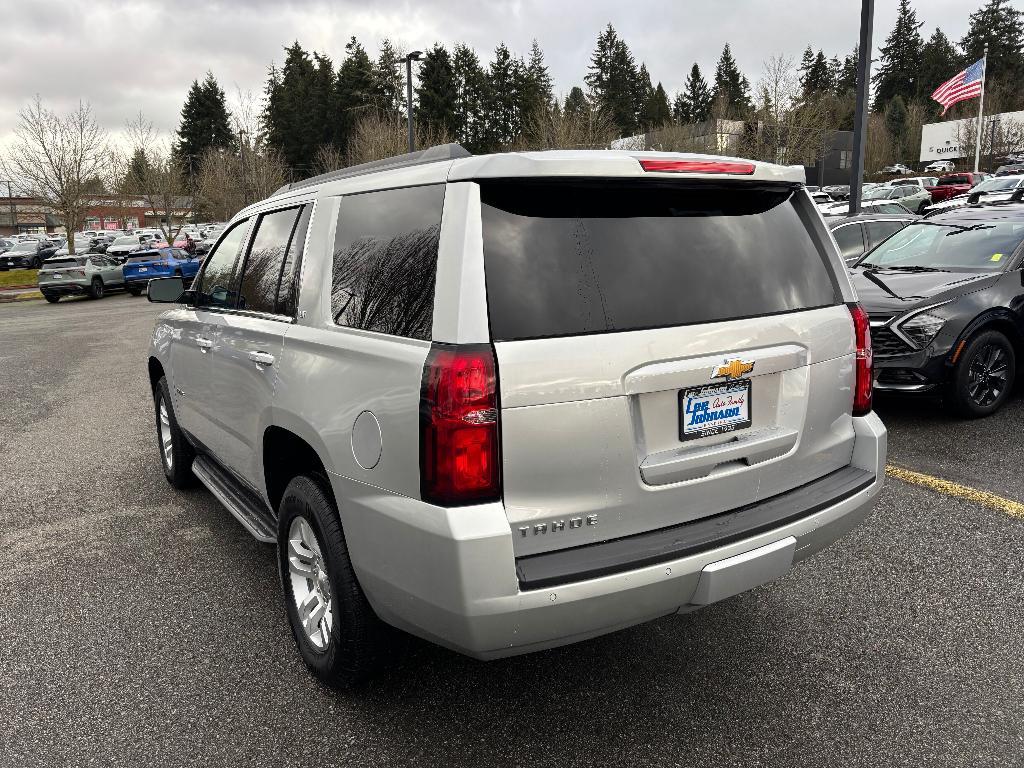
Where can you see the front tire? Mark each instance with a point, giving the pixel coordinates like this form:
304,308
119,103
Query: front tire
984,375
176,455
96,289
336,631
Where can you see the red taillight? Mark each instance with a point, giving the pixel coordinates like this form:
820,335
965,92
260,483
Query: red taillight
460,456
698,166
865,373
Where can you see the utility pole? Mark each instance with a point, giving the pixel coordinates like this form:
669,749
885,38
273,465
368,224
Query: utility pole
860,121
414,56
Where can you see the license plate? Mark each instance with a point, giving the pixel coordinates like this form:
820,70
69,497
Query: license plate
57,275
714,409
143,269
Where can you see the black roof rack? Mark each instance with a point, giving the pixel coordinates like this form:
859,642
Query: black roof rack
436,154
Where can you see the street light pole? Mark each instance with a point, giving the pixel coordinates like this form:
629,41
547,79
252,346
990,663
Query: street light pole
10,200
414,56
241,161
860,120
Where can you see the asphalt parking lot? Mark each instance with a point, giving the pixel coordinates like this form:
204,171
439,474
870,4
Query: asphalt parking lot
140,626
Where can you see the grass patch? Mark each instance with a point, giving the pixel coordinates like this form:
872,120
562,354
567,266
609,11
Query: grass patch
18,277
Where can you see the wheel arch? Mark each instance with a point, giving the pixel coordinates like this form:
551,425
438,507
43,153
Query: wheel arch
285,455
998,319
156,372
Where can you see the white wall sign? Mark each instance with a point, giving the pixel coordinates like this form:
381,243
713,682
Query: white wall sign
939,140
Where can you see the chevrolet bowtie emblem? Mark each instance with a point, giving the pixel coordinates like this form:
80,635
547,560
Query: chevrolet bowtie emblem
732,369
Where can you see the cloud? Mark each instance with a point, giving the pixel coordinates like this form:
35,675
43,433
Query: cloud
123,57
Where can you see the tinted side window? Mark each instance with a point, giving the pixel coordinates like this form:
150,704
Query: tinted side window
850,241
288,289
879,230
385,258
217,285
262,272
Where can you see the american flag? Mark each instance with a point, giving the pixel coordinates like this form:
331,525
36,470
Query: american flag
963,86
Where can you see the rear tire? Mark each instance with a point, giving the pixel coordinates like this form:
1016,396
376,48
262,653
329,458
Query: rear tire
345,642
96,289
176,455
36,263
134,290
984,375
53,298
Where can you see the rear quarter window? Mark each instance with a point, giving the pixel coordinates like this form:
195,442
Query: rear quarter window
385,260
568,258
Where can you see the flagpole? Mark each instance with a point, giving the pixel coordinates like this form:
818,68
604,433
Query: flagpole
981,109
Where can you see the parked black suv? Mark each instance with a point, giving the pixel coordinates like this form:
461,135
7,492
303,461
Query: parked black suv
945,296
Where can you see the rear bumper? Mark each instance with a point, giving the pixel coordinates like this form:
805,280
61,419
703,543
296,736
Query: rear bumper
65,287
449,575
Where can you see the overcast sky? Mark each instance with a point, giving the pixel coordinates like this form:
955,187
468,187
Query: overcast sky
123,57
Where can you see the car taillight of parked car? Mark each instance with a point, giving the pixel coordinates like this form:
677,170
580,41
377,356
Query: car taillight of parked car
460,449
865,364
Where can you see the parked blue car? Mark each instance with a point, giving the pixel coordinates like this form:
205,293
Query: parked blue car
143,266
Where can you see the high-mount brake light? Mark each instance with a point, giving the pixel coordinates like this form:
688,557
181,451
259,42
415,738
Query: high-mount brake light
460,454
864,361
698,166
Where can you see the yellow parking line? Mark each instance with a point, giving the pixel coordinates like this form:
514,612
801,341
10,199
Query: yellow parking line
937,484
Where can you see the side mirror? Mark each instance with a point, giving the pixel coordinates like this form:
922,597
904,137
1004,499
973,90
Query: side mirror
166,290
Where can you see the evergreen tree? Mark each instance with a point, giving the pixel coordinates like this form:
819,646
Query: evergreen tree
536,93
694,103
847,80
656,111
817,80
470,98
205,123
322,111
356,89
900,62
939,62
1001,26
576,103
806,62
389,79
612,79
436,93
504,78
286,116
731,87
896,120
835,72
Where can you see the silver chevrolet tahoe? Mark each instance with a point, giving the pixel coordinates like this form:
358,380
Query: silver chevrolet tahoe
513,401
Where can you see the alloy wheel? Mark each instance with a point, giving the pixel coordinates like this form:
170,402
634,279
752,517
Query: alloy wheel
987,376
311,586
166,438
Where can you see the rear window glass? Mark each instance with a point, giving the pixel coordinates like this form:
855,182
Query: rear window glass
142,259
945,181
64,263
576,258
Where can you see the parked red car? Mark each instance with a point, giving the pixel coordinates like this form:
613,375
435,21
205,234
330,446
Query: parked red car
952,184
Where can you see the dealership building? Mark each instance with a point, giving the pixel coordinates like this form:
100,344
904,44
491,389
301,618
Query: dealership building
943,141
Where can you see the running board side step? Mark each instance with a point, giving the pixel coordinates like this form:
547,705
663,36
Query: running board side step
248,509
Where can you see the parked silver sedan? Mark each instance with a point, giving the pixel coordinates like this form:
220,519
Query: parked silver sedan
91,274
911,196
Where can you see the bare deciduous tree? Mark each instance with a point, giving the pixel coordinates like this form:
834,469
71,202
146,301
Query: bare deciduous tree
377,136
556,129
160,180
56,158
228,181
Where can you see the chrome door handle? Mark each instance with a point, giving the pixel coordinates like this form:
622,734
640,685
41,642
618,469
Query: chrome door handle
261,358
204,344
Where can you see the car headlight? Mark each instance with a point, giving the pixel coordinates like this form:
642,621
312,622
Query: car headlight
922,328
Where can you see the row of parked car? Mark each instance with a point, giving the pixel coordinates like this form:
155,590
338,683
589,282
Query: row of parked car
95,274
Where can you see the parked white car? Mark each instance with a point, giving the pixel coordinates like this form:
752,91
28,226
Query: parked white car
899,168
941,166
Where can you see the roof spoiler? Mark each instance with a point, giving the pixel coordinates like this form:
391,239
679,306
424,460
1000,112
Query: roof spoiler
437,154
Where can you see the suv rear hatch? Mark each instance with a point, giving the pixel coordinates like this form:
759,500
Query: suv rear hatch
666,351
